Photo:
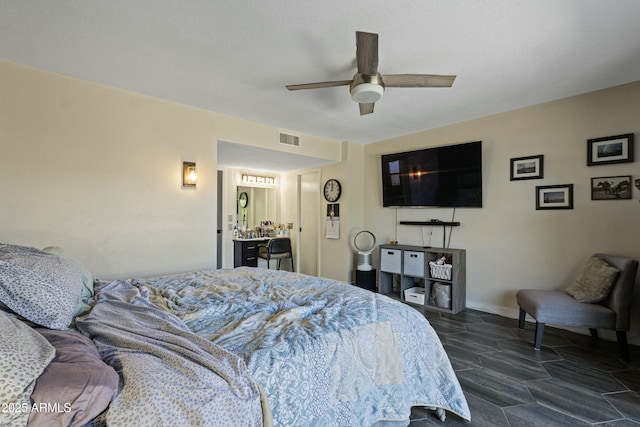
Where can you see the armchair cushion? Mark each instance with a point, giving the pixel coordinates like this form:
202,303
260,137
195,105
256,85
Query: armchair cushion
556,307
594,282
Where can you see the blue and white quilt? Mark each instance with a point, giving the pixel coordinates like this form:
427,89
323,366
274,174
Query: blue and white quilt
324,352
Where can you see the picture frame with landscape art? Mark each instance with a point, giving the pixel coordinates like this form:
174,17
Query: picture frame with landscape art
610,149
611,187
554,197
530,167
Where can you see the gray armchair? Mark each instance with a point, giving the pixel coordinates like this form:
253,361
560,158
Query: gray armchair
556,307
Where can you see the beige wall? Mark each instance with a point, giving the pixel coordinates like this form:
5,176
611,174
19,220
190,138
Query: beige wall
337,255
97,170
510,245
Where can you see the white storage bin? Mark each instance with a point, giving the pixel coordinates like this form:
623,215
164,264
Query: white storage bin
413,264
391,260
415,295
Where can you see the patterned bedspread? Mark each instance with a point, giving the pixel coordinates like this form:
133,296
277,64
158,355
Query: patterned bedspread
325,353
169,376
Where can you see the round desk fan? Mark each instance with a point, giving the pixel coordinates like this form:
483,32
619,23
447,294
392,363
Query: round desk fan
364,242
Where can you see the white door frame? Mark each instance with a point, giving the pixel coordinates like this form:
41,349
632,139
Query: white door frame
314,175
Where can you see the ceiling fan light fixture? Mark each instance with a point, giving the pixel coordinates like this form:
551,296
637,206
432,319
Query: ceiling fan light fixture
367,86
367,93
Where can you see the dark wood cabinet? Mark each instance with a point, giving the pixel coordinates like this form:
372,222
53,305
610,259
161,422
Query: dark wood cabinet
245,252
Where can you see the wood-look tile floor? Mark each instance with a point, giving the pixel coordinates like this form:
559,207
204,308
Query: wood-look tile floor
574,380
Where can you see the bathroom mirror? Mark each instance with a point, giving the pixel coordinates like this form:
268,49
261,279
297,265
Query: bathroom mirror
260,204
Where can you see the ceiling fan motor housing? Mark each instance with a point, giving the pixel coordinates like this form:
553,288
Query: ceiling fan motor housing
366,89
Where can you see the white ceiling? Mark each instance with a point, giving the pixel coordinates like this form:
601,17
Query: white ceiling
234,57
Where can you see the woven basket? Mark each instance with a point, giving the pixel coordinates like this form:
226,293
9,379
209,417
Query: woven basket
440,271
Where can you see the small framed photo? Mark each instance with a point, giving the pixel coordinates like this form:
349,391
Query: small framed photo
611,188
527,167
333,210
610,149
554,197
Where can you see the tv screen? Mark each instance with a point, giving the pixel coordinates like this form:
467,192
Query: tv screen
449,176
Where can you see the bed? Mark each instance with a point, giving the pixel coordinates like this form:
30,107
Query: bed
245,346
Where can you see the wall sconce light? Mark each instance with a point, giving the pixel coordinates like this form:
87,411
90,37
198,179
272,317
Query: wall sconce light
189,175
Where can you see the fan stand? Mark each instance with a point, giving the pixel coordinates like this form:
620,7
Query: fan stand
364,254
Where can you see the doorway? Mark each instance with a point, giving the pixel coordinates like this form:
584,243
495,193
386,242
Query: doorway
308,248
219,222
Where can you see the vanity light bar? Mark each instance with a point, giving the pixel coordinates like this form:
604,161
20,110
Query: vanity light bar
257,179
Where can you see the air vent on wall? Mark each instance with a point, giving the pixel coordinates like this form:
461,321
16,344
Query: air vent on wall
289,139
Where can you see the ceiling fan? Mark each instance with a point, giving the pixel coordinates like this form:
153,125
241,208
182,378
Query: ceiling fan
367,85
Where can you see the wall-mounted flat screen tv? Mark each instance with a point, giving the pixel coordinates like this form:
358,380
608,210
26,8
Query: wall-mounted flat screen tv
448,176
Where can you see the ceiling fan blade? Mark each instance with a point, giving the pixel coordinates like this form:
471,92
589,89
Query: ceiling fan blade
417,80
367,53
366,108
319,85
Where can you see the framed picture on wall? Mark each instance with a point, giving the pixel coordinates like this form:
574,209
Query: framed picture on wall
610,149
527,167
611,187
554,197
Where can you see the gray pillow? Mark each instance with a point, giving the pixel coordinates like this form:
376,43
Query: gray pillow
41,287
594,282
87,277
24,354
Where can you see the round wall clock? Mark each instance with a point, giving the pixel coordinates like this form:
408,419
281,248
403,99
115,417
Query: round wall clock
332,190
243,200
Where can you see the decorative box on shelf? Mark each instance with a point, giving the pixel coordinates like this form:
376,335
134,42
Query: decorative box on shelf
440,271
